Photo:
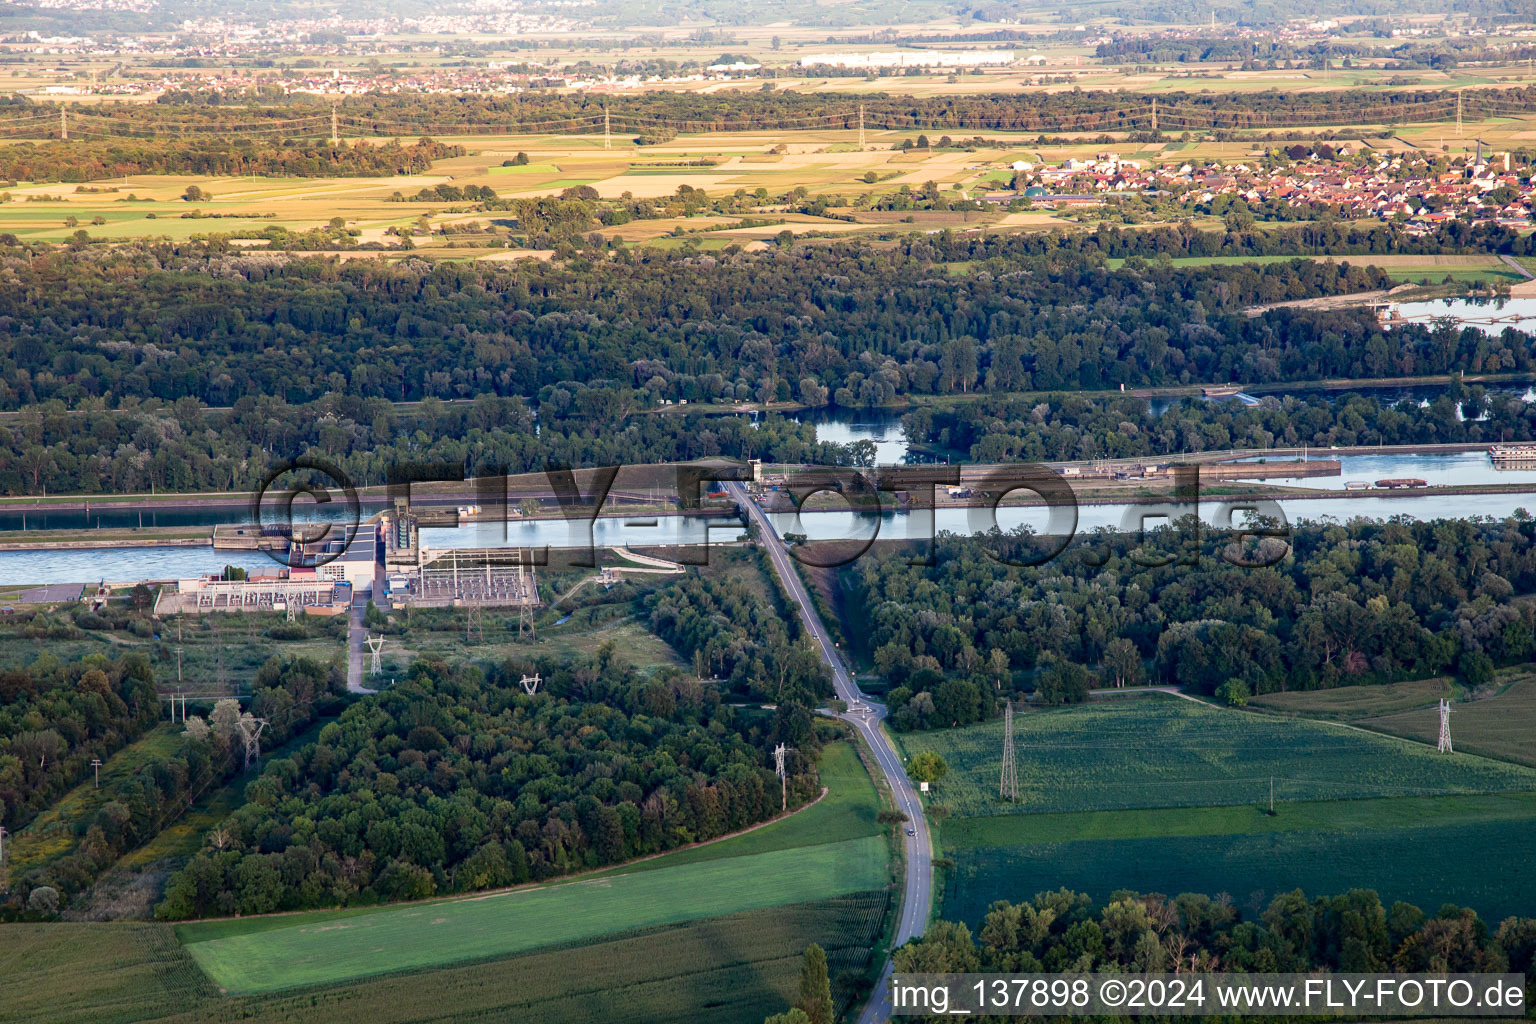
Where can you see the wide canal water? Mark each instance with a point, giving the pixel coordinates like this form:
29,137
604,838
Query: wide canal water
128,564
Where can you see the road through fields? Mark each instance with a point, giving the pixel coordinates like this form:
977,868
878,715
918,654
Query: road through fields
917,892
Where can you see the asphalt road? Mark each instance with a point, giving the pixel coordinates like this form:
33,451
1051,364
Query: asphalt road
917,892
356,635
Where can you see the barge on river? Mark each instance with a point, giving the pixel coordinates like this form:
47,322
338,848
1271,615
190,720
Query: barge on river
1509,456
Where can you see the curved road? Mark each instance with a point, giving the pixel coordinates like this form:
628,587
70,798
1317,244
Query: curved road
917,893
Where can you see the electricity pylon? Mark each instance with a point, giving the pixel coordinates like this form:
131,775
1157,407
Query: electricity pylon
1008,788
250,731
531,684
779,770
1445,727
375,645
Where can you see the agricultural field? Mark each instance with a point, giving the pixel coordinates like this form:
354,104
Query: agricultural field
1169,752
732,969
1352,703
1501,726
327,948
825,162
1485,865
1168,795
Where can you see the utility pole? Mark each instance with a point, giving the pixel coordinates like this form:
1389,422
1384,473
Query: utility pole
1008,789
1445,727
607,129
96,764
861,127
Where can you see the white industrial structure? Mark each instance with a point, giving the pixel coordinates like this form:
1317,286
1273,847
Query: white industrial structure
304,590
911,59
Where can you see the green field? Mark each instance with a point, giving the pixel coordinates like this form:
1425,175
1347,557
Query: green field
1502,726
1322,815
1351,703
539,168
727,970
1169,752
1485,865
341,947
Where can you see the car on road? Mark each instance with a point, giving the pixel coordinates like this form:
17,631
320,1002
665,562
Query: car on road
911,831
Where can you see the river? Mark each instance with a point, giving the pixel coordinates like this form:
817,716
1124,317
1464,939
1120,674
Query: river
128,564
1519,314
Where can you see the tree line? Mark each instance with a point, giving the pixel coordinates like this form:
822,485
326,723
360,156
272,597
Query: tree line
683,111
1354,932
1067,427
183,446
80,161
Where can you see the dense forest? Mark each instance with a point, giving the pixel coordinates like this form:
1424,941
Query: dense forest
455,779
56,717
765,655
310,353
287,695
1135,933
90,161
844,323
1360,603
1068,427
181,446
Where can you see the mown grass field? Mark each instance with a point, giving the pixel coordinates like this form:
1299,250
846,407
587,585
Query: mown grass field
1485,865
342,947
1351,703
734,969
1169,752
1502,726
